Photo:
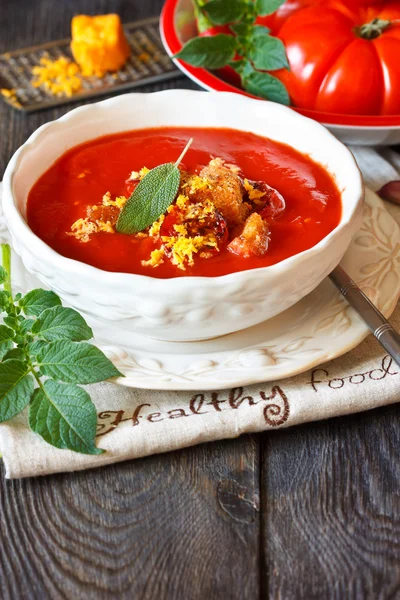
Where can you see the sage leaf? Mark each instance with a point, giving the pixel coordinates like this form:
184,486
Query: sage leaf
74,362
267,86
267,7
60,323
65,417
16,388
222,12
36,301
3,275
209,52
6,340
151,198
268,53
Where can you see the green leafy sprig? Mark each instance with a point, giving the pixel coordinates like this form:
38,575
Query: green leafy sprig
247,48
151,198
44,354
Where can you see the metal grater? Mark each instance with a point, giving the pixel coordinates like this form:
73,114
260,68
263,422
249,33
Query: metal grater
143,38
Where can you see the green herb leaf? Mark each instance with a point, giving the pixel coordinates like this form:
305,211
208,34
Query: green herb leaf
65,417
244,68
5,299
75,362
267,86
209,52
60,323
6,340
222,12
26,325
242,29
16,388
34,348
259,30
268,53
14,354
154,194
12,322
36,301
3,275
267,7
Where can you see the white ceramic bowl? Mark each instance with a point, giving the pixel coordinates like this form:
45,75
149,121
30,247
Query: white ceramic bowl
184,308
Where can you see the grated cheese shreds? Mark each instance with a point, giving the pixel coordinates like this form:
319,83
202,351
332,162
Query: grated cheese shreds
138,175
11,96
82,229
119,201
183,248
154,230
251,190
60,77
156,258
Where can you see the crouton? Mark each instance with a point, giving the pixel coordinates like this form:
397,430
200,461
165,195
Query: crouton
253,239
225,191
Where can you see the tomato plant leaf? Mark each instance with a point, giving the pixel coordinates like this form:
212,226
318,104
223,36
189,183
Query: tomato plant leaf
3,275
65,417
36,301
151,198
61,323
74,362
268,53
209,52
267,86
267,7
16,388
222,12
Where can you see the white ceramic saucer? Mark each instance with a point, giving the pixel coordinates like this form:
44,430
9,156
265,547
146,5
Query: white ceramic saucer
320,327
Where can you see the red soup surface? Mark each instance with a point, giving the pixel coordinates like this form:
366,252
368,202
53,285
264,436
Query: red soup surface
81,177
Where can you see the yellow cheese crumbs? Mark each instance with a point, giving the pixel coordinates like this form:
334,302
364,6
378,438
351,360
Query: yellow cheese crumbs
181,201
156,258
60,77
197,183
11,96
219,162
155,228
253,193
181,229
82,229
183,248
119,201
135,175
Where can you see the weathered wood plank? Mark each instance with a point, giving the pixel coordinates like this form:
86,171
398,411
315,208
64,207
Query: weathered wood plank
331,509
184,525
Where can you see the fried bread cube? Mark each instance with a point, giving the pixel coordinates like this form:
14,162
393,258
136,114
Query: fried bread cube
225,190
253,239
99,44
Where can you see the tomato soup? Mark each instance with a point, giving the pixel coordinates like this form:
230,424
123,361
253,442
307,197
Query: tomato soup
82,176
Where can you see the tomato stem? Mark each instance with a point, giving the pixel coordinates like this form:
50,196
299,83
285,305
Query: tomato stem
373,29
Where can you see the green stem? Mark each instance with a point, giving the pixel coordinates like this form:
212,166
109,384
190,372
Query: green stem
6,262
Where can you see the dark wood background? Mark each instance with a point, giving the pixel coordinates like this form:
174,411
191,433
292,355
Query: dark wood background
310,512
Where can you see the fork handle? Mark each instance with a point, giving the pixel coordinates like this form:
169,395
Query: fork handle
374,319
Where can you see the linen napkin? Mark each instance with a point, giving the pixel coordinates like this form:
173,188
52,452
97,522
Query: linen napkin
134,423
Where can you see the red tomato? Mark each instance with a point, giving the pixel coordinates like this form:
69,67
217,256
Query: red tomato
334,67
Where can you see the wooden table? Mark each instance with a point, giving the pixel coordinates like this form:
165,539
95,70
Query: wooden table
310,512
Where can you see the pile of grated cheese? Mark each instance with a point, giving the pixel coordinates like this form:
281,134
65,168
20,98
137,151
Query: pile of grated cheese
60,77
